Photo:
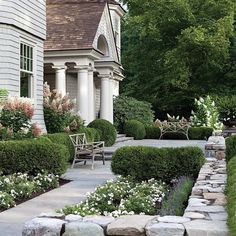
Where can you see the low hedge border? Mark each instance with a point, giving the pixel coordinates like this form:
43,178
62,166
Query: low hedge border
135,129
33,156
231,195
165,164
230,147
195,133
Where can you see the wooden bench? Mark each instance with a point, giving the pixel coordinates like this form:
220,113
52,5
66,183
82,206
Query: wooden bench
85,150
174,127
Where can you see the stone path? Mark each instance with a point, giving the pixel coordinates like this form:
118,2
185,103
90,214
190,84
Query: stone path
84,180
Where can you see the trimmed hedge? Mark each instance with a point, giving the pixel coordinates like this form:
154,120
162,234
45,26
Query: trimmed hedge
135,128
143,163
106,130
33,156
230,147
231,195
194,133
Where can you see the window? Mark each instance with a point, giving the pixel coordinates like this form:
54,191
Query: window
26,70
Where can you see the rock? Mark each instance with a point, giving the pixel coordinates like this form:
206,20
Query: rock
72,218
52,215
222,177
207,209
43,227
215,190
173,219
83,229
218,216
129,225
103,221
220,155
165,229
213,196
194,215
206,228
197,202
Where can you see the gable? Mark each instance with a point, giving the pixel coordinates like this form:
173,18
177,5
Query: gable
105,29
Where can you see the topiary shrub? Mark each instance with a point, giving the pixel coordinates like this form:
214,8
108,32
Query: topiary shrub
33,156
106,130
143,163
135,128
152,132
230,147
231,195
200,133
92,134
128,108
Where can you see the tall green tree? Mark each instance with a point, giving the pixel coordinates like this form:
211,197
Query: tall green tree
176,50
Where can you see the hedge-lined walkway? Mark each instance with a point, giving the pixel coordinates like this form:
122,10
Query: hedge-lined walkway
83,180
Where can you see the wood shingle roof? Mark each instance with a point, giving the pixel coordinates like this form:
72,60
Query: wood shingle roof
72,24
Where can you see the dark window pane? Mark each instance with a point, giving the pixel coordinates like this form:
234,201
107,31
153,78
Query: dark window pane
25,50
21,49
25,84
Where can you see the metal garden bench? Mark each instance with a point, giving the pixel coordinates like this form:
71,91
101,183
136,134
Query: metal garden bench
85,150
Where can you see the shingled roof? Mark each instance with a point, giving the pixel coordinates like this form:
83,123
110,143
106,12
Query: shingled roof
72,24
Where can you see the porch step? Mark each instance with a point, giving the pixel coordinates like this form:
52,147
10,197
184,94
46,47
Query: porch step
122,138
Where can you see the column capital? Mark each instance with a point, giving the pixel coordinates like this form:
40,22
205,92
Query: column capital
59,67
82,67
105,76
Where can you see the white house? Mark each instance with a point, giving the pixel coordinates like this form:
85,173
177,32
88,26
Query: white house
82,53
22,34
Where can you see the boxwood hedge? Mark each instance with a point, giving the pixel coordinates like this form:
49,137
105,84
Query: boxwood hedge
33,156
230,147
144,163
135,129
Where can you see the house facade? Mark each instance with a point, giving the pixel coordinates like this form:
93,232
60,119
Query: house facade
22,34
82,53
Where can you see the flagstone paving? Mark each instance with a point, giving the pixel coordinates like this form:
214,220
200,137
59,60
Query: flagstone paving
83,180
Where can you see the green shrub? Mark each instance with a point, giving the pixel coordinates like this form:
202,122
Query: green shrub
231,195
92,134
230,147
200,133
135,128
106,130
175,203
152,132
33,156
143,163
128,108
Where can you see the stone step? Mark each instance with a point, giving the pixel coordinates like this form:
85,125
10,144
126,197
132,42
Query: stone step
123,139
121,135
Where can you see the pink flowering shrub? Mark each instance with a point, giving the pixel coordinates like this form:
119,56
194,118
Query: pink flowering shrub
57,110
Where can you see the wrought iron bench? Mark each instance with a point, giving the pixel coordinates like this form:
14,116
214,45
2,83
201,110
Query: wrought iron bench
174,127
85,150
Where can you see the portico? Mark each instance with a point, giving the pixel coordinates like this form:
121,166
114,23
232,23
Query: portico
87,68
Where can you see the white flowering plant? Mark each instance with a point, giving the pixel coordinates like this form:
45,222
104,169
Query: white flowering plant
19,186
122,197
206,114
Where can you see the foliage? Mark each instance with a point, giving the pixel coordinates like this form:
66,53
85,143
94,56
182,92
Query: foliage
230,147
128,108
206,114
134,128
178,197
122,197
75,122
32,156
57,110
200,133
152,132
106,130
143,163
231,195
3,95
18,186
227,108
174,51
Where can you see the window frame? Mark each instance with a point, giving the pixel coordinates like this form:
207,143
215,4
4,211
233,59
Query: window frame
31,73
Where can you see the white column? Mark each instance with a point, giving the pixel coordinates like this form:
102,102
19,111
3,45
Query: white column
60,79
111,93
82,92
105,98
91,103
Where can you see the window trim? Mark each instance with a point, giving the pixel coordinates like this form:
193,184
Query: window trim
33,45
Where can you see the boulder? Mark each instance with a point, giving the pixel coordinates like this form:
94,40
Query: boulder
83,229
43,227
72,218
103,221
130,225
165,229
173,219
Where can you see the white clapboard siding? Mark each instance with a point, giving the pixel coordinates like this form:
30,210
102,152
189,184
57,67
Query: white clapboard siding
29,15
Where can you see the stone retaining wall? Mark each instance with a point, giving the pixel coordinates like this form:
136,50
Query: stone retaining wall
205,215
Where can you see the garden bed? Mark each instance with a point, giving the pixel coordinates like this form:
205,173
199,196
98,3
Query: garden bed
18,188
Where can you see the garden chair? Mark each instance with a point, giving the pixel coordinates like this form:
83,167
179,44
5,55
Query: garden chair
85,150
